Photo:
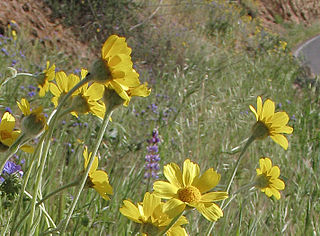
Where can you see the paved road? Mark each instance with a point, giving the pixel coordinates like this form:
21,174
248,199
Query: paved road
310,53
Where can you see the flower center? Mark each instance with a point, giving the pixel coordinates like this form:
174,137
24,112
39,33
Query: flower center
189,194
262,181
260,130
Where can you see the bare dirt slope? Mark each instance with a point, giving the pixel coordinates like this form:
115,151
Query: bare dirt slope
297,11
35,16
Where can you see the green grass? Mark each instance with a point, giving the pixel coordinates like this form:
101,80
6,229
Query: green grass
203,80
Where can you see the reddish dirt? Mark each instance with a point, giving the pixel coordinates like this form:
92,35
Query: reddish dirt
35,16
296,11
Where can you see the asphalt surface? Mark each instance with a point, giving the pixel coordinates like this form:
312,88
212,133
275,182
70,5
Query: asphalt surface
309,52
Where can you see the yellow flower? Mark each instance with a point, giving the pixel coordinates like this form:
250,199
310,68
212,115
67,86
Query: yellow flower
114,69
87,100
64,85
151,215
8,134
97,179
34,121
187,188
44,78
268,178
270,123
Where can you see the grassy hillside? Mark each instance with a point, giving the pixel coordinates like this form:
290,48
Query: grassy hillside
206,62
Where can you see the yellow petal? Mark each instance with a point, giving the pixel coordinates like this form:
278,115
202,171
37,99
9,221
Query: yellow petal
7,122
71,82
190,172
275,193
150,202
130,211
95,91
278,184
55,90
165,190
281,140
84,73
268,164
210,211
62,81
207,181
274,172
259,106
254,112
282,129
141,91
173,174
176,231
173,207
279,119
268,109
214,196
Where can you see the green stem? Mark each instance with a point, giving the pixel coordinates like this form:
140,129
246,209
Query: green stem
85,176
234,172
173,221
44,212
47,143
247,186
24,186
72,184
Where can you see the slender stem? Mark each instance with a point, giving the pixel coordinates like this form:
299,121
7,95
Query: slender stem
85,176
24,186
74,183
38,179
47,143
234,172
173,221
43,210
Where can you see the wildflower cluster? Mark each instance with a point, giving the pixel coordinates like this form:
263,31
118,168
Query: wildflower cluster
111,82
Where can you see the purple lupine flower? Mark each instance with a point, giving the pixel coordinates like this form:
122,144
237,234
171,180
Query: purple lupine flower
8,109
13,62
9,169
152,158
5,51
77,71
31,94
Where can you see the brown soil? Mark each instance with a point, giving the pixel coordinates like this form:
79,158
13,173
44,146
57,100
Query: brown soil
296,11
35,16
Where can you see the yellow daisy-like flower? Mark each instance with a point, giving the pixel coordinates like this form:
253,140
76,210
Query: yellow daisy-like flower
114,70
150,214
268,178
87,100
270,123
44,78
8,134
97,179
34,121
64,85
187,188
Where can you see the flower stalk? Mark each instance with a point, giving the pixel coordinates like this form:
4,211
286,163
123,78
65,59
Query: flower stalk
85,175
234,172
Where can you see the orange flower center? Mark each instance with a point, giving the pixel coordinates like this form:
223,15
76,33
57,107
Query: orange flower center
189,194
